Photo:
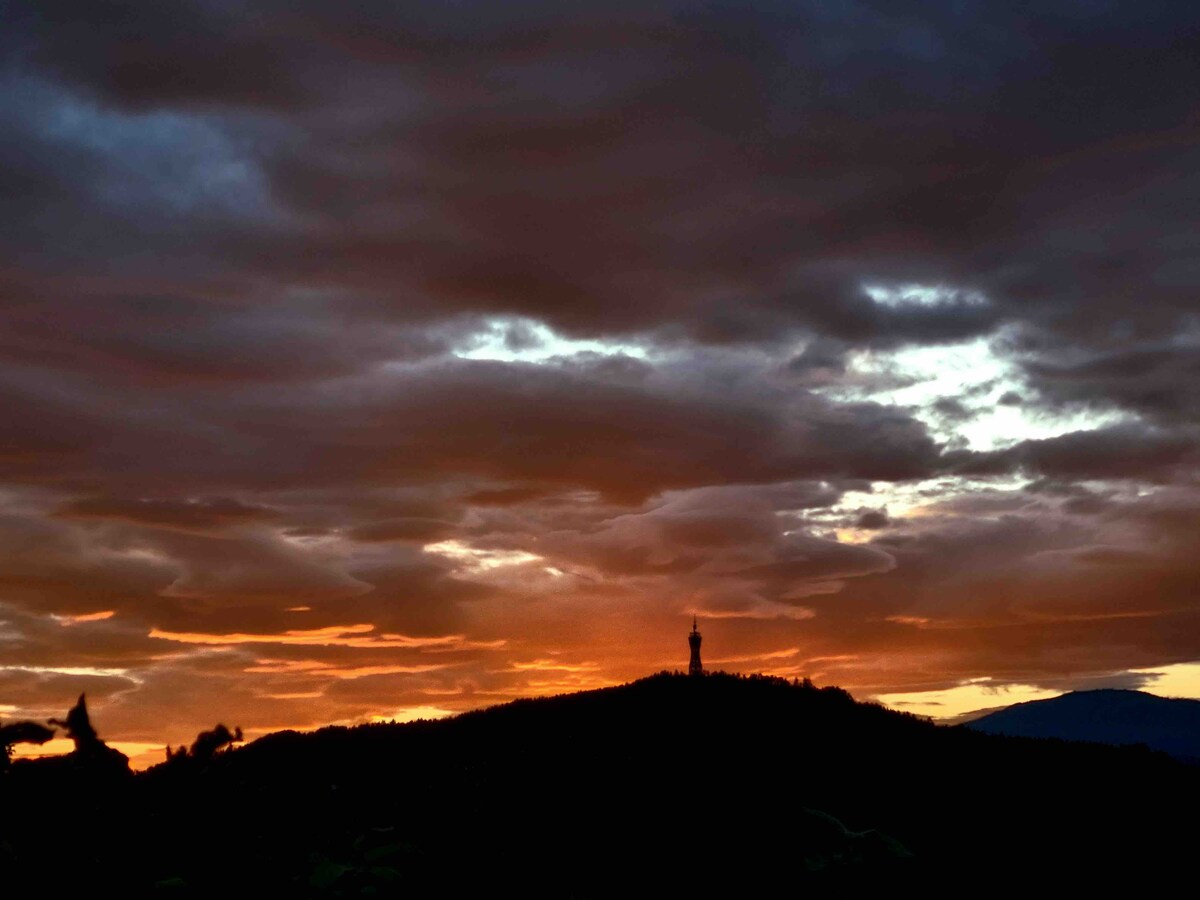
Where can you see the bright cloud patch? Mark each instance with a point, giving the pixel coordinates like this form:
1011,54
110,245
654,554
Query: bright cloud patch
969,394
478,559
516,339
899,296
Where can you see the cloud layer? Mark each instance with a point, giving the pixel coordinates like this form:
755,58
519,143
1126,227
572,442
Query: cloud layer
362,360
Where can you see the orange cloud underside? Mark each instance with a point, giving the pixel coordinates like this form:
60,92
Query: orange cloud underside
360,636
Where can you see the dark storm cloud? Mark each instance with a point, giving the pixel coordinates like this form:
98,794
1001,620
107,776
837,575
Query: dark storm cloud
1150,380
202,516
733,174
409,529
1133,451
872,519
243,244
155,57
567,427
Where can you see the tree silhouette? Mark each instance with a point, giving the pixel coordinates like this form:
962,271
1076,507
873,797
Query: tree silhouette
90,751
78,725
207,744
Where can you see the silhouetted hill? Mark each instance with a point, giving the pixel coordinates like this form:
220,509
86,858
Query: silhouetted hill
1106,717
669,786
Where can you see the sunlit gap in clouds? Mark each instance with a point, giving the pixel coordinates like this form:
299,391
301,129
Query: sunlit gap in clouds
971,696
981,694
969,393
476,559
903,500
901,295
519,339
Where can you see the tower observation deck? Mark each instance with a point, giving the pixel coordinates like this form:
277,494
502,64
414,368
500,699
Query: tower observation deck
694,666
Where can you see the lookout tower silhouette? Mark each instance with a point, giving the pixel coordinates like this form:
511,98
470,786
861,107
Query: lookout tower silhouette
694,666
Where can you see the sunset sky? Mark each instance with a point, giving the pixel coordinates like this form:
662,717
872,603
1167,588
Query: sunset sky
370,360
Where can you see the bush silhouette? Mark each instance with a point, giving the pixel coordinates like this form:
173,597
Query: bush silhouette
207,745
21,733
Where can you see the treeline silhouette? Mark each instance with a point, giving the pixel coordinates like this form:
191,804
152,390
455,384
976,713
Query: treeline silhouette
718,785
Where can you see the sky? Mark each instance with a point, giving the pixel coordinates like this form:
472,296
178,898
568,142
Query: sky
363,361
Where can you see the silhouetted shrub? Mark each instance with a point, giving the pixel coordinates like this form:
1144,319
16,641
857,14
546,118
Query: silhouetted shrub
21,733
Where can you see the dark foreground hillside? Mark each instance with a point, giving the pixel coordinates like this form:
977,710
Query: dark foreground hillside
669,786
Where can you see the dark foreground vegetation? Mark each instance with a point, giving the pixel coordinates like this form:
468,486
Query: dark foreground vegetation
667,787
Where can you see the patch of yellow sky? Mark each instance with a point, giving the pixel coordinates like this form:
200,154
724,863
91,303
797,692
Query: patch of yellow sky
1179,680
142,755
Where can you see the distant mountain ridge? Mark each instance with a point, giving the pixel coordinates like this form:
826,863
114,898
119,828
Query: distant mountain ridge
1104,717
